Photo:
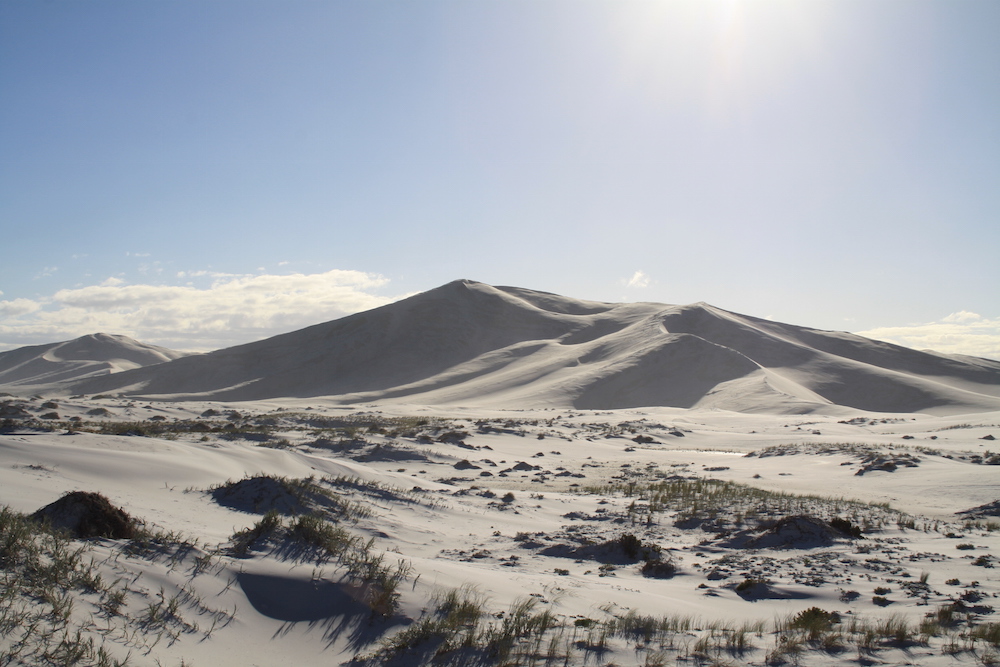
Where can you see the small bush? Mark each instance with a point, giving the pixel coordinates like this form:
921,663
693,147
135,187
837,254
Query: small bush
630,545
846,527
815,622
314,530
659,569
634,549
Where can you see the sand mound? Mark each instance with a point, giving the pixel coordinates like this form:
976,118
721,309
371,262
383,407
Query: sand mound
298,599
12,410
625,549
87,356
792,532
84,515
262,494
989,510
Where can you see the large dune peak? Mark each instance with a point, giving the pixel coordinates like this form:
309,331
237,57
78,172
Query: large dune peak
470,343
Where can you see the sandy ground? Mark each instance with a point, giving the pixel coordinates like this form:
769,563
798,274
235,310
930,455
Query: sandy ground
549,506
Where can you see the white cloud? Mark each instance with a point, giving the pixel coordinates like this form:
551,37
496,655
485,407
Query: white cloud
962,316
229,311
639,279
18,307
959,333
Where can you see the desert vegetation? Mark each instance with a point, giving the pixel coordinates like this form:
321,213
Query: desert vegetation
386,512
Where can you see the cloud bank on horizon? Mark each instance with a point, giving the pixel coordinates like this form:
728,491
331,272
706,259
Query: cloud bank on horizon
230,309
959,333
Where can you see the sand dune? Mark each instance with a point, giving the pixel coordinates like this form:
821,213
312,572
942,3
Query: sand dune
467,343
491,475
87,356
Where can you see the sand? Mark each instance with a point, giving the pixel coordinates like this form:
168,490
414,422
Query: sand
471,344
516,470
437,502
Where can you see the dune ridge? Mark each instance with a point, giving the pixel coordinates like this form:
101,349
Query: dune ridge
468,343
83,357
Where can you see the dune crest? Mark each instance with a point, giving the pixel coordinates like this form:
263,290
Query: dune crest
468,343
84,357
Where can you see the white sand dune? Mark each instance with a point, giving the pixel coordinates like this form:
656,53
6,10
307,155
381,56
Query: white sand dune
520,448
84,357
467,343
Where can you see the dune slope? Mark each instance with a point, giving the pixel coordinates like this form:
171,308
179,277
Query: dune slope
87,356
467,343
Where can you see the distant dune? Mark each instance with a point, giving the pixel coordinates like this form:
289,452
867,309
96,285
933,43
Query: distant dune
467,343
85,357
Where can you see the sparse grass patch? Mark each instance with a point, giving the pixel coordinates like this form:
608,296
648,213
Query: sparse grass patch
243,540
47,586
987,632
702,500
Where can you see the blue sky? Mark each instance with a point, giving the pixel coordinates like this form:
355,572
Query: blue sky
198,174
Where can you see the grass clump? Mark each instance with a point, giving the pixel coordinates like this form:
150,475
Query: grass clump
243,540
287,496
987,632
313,537
814,623
458,631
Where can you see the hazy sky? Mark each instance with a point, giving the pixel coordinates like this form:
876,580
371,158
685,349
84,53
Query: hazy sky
198,174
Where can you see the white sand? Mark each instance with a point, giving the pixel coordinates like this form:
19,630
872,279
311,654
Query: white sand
508,381
288,612
87,356
467,343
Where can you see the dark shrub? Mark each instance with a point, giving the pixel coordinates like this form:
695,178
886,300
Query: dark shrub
846,527
630,545
659,569
84,514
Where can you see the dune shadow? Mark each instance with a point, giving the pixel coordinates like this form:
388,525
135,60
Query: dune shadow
295,600
335,607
